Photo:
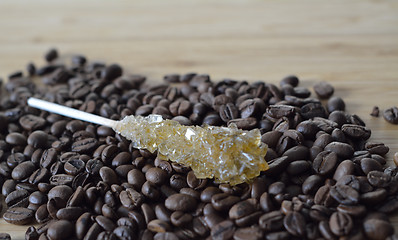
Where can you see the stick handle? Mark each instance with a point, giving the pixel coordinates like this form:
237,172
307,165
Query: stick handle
70,112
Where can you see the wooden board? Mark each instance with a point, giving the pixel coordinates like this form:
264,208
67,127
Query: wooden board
351,44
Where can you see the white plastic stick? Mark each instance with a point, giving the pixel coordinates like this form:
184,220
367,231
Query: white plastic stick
70,112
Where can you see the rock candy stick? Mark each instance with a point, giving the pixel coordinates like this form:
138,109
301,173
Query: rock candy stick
227,154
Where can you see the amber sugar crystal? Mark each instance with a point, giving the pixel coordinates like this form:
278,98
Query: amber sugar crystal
227,154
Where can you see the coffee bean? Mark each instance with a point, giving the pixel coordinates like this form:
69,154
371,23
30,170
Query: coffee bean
391,115
323,89
248,233
69,213
5,236
223,230
272,221
131,199
356,210
16,139
180,202
85,145
343,150
294,223
335,104
344,194
23,170
356,131
325,162
223,201
18,215
83,224
377,229
340,223
31,122
346,167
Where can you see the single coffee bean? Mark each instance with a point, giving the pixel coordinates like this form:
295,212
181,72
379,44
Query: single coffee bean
344,194
5,236
131,199
15,138
248,233
223,230
18,215
343,150
391,115
346,167
325,162
377,229
83,224
272,221
340,223
180,202
353,210
61,229
31,122
323,89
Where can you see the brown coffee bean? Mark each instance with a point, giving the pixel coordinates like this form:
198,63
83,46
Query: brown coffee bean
180,202
248,233
342,150
83,224
391,115
325,162
344,194
15,138
18,215
377,229
340,223
5,236
323,90
223,230
31,122
272,221
223,201
353,210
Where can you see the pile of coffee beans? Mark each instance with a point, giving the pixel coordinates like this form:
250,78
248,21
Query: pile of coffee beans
82,181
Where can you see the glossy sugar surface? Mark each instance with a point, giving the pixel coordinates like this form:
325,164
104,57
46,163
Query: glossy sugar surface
227,154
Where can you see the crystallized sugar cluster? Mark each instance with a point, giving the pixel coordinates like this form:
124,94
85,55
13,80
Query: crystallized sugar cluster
228,154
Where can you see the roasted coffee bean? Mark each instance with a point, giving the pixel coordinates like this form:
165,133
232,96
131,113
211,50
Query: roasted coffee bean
325,162
248,233
294,223
323,89
344,194
83,224
272,221
180,202
323,196
85,145
340,223
23,170
165,236
31,122
377,228
223,230
391,115
356,131
311,184
5,236
343,150
16,139
378,179
356,210
131,199
18,215
346,167
335,104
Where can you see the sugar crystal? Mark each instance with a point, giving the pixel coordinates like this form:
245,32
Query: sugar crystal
227,154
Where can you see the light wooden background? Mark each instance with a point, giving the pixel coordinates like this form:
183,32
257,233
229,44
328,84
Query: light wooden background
352,44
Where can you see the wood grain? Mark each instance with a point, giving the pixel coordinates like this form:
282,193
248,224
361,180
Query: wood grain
351,44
